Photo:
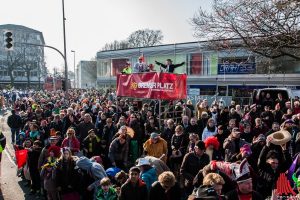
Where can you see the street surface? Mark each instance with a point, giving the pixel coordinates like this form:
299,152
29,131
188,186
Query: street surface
11,186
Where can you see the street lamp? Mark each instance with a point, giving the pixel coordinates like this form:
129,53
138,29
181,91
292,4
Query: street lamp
74,52
65,49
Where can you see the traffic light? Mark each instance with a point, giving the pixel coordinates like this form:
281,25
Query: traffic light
8,40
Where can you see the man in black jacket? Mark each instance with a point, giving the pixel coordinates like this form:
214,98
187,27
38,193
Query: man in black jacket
15,124
169,67
244,189
134,188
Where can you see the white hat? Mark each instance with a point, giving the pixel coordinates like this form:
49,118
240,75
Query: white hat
143,161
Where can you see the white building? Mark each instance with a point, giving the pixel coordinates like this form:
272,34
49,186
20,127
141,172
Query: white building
86,74
24,66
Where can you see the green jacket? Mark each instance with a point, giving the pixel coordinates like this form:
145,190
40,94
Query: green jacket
111,195
127,70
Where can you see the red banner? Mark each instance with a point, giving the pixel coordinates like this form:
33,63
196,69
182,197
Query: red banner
152,85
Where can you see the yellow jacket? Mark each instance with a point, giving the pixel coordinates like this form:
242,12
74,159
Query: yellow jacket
156,149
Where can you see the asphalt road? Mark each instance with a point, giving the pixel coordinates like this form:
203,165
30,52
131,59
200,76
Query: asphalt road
12,187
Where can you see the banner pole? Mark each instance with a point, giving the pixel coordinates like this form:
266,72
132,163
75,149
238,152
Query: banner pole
159,114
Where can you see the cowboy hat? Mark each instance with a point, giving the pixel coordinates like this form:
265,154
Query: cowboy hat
280,137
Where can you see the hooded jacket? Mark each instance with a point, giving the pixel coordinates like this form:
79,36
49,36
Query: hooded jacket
149,176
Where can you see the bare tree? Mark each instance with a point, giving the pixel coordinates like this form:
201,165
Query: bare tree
269,28
11,64
115,45
139,38
145,37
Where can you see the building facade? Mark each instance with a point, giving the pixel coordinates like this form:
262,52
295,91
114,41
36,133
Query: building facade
228,73
24,66
86,74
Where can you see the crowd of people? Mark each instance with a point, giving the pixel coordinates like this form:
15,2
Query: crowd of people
141,66
93,145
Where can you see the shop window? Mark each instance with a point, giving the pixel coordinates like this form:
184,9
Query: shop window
195,64
208,91
222,90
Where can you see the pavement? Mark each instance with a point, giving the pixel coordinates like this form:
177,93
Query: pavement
12,187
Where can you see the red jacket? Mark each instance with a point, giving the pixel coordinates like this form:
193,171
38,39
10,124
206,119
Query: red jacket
73,143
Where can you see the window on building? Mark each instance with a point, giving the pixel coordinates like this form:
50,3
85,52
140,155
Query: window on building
118,65
222,90
208,91
195,64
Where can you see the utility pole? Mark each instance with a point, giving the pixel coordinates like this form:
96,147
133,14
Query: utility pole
65,50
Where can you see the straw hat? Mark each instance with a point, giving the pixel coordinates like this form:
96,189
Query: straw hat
280,137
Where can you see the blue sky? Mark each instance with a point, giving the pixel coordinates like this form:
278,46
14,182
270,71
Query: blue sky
92,23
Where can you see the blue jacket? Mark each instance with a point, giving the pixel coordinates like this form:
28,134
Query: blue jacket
149,177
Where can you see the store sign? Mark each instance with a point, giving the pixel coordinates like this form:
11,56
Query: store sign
165,86
236,68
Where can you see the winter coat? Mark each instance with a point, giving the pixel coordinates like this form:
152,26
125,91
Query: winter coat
73,143
111,194
108,134
191,165
231,150
149,176
33,157
156,149
92,145
57,126
157,192
34,135
118,151
268,177
66,175
206,133
83,129
136,191
94,169
14,121
43,156
235,195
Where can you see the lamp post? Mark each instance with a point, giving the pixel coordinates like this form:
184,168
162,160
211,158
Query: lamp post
65,49
74,52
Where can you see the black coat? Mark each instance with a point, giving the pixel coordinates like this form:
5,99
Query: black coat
66,176
33,157
134,192
171,67
267,175
234,195
14,121
158,193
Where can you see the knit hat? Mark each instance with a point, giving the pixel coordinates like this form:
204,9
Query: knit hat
112,171
246,149
154,135
260,138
